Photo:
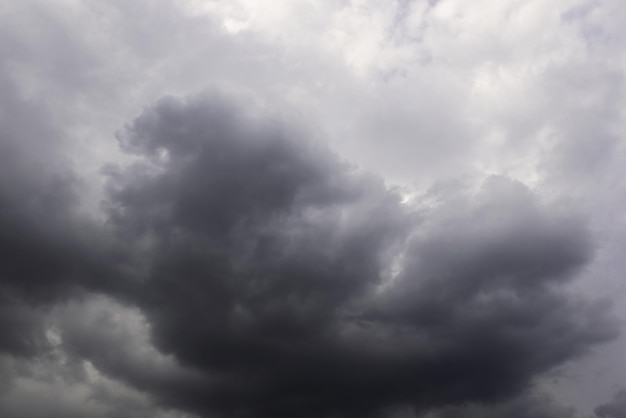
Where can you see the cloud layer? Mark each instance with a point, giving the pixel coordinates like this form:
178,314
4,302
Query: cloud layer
405,221
288,282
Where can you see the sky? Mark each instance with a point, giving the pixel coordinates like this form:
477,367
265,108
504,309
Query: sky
312,209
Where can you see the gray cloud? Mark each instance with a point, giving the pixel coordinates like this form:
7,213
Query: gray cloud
266,262
22,329
528,405
273,277
37,235
51,250
54,386
616,408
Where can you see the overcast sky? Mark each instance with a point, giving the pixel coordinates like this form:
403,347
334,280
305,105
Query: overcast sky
312,208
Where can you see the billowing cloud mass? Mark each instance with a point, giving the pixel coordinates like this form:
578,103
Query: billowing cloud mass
292,283
283,258
208,210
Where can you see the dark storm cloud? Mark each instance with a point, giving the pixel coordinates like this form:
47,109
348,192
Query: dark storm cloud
114,340
48,249
616,408
34,252
480,285
284,281
39,238
22,330
276,280
270,238
302,287
49,253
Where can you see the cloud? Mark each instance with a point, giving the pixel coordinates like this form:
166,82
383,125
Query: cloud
54,386
616,408
527,405
43,247
265,263
112,341
22,330
237,266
